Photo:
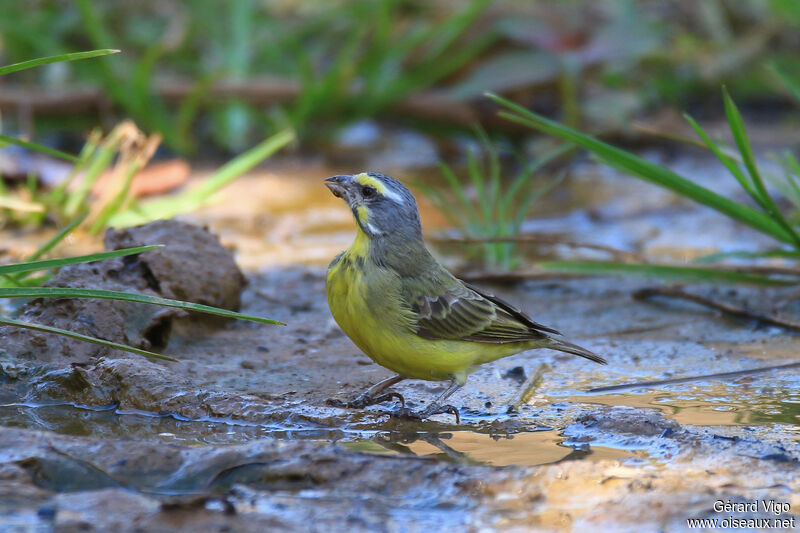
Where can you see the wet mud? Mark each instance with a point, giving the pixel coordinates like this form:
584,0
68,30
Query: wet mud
238,436
256,396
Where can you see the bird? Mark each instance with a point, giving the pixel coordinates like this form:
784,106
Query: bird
408,313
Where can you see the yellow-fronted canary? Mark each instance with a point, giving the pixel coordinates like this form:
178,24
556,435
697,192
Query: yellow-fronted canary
406,311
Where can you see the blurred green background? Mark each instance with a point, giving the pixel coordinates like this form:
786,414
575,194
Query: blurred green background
216,77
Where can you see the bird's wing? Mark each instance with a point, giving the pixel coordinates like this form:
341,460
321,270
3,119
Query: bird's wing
462,312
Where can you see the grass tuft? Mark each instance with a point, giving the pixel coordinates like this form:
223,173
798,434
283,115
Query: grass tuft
765,217
489,206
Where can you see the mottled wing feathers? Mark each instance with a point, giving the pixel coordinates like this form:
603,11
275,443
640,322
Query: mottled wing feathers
511,310
465,313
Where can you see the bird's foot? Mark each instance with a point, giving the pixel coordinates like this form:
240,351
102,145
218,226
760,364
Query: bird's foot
364,400
433,409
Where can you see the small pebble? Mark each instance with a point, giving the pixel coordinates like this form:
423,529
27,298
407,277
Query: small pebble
517,373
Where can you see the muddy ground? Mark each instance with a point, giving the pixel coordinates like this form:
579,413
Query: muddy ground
237,435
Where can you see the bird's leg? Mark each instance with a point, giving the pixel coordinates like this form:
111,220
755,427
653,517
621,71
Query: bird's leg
436,407
373,395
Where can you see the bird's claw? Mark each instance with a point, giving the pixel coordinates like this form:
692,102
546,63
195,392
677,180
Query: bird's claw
433,409
404,413
364,400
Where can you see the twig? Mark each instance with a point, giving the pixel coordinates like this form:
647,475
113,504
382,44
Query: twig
733,374
729,309
529,387
534,238
430,104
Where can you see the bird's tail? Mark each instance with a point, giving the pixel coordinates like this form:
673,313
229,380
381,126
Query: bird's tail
564,346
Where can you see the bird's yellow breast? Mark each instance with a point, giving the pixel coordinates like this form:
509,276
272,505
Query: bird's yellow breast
365,301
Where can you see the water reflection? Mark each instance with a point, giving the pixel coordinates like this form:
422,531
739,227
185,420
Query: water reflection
465,447
462,447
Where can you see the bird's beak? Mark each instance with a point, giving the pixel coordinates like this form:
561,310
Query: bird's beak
339,186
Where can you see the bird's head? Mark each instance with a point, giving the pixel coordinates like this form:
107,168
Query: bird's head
381,205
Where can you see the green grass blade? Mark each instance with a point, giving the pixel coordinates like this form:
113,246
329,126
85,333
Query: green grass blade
646,170
92,27
793,164
18,279
455,216
385,57
789,83
786,183
494,172
119,199
745,149
729,163
691,141
534,196
526,175
30,281
551,155
85,338
453,28
31,266
61,292
429,73
791,168
21,281
168,207
423,56
60,192
57,238
740,135
476,176
512,191
38,147
189,109
100,162
458,189
241,164
663,272
55,59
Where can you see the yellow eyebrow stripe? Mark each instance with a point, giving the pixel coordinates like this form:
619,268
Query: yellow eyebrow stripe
367,180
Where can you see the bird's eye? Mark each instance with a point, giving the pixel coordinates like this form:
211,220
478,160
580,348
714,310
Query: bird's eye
367,191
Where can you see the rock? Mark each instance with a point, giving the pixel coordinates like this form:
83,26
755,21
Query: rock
630,420
193,267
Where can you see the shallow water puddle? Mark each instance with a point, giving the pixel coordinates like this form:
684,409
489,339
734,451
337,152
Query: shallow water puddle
497,440
526,449
749,399
167,428
712,405
530,448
